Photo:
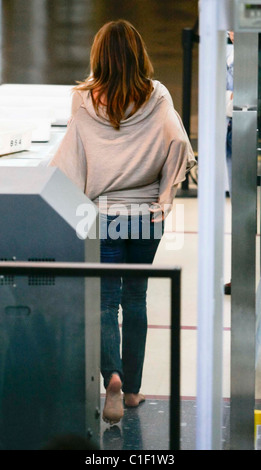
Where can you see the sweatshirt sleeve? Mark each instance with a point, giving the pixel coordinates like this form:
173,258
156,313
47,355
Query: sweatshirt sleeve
77,100
179,159
70,157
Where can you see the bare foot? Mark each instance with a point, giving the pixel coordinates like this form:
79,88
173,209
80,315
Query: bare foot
113,408
133,399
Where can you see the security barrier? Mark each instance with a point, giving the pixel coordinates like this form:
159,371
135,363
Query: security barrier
92,270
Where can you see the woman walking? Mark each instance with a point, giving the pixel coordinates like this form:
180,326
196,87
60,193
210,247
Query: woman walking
126,148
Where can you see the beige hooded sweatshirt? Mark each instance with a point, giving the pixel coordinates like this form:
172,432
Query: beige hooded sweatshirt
143,162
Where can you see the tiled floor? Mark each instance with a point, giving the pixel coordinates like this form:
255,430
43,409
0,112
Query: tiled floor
147,427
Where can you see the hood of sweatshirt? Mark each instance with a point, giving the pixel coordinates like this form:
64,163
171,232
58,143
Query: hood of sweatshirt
159,93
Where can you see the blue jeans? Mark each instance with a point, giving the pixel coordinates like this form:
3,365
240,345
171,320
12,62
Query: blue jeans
131,294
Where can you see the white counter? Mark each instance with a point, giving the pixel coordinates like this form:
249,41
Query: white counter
35,102
39,153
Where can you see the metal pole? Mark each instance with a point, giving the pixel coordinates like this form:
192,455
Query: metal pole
187,42
211,191
175,364
244,226
188,39
29,268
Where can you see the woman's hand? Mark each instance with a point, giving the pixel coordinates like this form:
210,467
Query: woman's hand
157,216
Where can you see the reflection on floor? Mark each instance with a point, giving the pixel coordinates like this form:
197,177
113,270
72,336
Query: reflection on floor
138,429
147,427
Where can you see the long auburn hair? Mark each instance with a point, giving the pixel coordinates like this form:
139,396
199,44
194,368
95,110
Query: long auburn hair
121,71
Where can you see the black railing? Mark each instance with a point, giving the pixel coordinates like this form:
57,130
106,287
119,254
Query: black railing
189,38
127,270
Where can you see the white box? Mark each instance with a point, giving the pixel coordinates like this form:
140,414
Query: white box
14,137
57,97
40,118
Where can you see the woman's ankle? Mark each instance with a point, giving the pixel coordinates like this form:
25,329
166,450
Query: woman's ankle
113,407
133,399
114,382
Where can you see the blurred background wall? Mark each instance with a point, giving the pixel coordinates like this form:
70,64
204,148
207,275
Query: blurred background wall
48,41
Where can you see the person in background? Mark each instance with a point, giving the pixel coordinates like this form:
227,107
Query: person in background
229,111
125,146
